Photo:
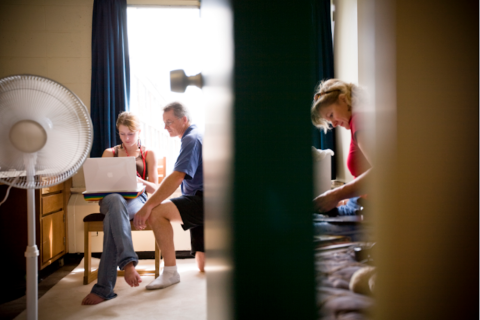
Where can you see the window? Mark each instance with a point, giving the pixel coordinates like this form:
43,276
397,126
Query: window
161,40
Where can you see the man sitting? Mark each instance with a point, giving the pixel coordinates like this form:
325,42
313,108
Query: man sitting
187,209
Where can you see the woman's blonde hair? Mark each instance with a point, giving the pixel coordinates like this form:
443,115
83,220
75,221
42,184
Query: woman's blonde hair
129,120
328,92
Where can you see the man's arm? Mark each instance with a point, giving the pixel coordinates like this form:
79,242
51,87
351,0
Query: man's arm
166,188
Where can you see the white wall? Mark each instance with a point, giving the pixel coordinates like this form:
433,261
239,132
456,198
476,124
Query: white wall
50,38
346,69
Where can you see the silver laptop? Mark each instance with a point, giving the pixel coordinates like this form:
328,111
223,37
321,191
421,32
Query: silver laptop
116,174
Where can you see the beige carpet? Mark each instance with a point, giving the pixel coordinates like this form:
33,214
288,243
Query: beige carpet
182,301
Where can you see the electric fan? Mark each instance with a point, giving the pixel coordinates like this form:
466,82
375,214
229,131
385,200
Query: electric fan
45,136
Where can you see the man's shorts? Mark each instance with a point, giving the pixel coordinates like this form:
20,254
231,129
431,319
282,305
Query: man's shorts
191,211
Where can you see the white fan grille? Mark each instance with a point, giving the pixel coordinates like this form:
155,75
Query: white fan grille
63,116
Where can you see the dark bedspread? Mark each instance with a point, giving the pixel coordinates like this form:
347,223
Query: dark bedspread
335,301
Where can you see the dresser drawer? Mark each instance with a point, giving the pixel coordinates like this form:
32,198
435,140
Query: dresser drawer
53,236
52,203
58,187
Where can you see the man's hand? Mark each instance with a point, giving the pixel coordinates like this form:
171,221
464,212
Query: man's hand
140,218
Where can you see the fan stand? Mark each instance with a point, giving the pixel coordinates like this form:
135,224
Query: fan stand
31,253
34,109
29,136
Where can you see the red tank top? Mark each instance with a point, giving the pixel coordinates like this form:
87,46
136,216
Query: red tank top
139,161
356,161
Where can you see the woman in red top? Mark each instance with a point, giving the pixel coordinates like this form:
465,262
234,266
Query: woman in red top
118,248
336,103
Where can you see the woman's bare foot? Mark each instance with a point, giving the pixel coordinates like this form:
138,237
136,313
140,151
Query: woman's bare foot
200,258
91,299
131,275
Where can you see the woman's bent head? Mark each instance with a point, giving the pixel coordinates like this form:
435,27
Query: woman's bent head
130,120
332,103
128,126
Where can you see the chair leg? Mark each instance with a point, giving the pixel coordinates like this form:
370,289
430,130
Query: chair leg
87,259
157,260
88,275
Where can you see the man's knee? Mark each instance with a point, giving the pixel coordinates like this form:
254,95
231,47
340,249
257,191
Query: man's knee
157,215
166,211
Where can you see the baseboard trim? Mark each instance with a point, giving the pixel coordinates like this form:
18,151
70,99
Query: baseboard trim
181,254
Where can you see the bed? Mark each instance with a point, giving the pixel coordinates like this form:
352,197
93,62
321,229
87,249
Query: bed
334,266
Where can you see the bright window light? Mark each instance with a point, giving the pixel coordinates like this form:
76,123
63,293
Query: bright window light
161,40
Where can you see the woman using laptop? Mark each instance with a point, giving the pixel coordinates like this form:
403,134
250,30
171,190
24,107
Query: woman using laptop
117,242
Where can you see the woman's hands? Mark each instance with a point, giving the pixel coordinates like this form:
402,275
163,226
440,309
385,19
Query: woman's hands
326,201
339,196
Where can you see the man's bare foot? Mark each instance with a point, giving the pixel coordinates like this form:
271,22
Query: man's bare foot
200,258
91,299
131,275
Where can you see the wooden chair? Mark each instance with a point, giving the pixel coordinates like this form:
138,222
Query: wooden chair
94,223
162,169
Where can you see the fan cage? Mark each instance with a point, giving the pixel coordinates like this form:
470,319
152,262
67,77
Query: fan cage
69,137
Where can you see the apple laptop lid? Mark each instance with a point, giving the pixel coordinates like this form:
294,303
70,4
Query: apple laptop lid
113,174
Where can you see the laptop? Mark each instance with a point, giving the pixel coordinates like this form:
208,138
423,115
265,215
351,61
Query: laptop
111,175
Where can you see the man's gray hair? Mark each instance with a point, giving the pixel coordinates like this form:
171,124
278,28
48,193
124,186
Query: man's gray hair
179,110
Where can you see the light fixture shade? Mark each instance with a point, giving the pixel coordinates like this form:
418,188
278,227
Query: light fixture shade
41,119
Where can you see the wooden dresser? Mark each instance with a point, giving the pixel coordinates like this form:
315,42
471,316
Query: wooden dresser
51,224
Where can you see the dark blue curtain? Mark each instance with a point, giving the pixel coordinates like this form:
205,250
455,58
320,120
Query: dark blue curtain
324,48
110,93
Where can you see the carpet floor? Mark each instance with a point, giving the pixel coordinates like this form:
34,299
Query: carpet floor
183,301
